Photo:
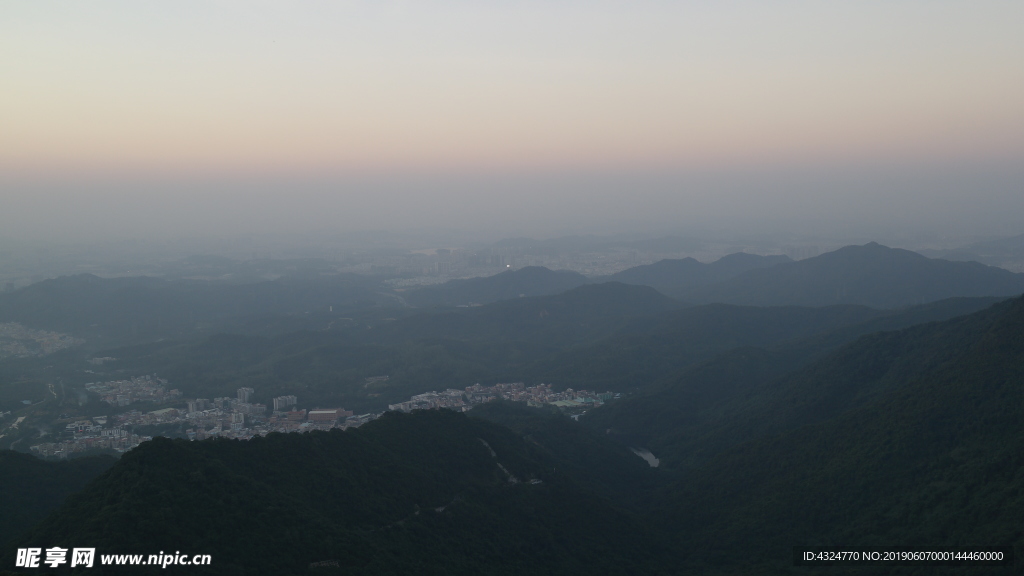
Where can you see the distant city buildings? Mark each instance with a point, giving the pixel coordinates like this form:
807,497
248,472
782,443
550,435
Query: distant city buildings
20,342
89,435
462,400
322,416
240,418
284,403
138,389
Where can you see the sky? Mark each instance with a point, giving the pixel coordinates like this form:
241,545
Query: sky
509,117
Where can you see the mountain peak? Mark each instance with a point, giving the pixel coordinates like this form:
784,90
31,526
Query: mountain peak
871,275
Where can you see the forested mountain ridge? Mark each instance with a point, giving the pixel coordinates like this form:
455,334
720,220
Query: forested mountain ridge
430,493
31,488
585,313
590,458
673,277
870,275
759,389
919,445
138,309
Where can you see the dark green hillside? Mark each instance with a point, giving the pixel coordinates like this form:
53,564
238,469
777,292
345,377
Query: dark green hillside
740,394
682,338
592,459
585,313
900,319
30,488
673,276
869,275
903,438
426,493
529,281
646,352
678,420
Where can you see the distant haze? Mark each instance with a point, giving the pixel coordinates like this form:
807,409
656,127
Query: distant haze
870,203
166,119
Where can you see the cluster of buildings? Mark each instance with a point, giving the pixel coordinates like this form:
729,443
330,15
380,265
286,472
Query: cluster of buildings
138,389
452,399
202,418
88,435
20,342
240,405
241,418
573,401
234,418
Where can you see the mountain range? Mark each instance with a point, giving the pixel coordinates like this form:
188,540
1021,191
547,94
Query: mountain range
870,275
133,309
899,438
676,276
868,396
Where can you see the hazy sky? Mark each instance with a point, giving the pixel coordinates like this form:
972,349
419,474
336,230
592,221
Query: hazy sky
513,116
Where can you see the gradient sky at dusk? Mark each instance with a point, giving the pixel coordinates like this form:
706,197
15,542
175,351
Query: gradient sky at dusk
326,104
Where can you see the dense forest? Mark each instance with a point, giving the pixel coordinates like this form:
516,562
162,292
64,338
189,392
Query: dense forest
432,492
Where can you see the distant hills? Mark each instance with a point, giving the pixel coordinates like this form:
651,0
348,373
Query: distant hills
701,338
656,348
590,243
133,309
608,336
673,277
1004,252
870,275
585,313
504,341
121,311
528,281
